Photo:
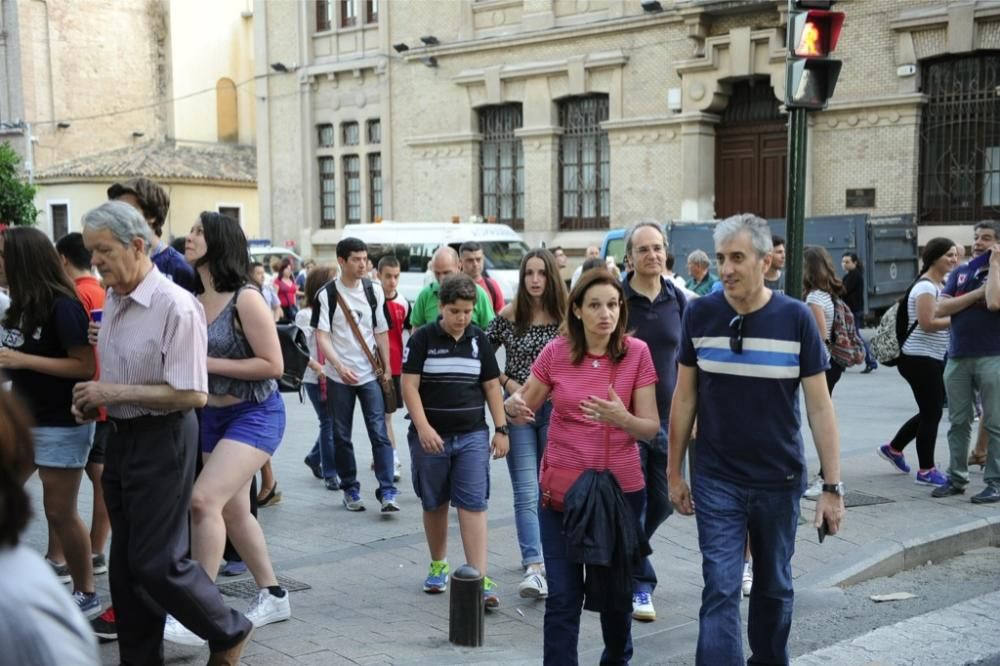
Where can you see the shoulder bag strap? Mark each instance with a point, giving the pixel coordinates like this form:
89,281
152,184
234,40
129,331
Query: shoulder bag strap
357,333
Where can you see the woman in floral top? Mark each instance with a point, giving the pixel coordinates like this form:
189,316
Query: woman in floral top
524,327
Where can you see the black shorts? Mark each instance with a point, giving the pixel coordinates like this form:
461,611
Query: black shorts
102,432
399,388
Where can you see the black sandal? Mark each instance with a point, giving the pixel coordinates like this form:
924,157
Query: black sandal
272,497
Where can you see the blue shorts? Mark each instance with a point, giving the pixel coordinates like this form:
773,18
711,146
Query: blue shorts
260,425
63,447
461,473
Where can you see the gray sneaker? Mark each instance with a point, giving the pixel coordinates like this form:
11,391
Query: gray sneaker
353,501
100,564
61,571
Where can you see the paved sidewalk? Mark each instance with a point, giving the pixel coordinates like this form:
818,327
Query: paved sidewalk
365,605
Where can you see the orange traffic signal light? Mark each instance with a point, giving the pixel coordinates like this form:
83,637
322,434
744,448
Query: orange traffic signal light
811,76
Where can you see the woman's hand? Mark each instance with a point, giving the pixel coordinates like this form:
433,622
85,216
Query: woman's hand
610,411
517,410
11,359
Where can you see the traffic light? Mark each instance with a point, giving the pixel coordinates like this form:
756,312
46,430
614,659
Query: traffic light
810,74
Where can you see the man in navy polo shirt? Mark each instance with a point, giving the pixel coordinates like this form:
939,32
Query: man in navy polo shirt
655,307
973,363
744,353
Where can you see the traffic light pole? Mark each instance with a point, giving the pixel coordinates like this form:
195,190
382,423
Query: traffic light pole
795,208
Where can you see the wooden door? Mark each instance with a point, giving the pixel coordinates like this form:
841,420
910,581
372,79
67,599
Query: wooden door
750,165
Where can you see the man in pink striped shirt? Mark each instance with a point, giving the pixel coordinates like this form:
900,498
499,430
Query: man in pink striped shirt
152,346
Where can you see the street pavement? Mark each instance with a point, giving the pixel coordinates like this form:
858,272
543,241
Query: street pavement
364,570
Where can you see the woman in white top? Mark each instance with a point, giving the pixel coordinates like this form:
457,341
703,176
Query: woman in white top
821,285
921,363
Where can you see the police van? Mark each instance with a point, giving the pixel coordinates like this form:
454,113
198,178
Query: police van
414,243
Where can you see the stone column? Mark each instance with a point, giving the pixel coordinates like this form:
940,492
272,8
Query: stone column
541,187
698,166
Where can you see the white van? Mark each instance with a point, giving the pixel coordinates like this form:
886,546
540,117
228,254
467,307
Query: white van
414,243
261,250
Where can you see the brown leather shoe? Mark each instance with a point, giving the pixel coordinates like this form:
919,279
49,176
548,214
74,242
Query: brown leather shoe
230,657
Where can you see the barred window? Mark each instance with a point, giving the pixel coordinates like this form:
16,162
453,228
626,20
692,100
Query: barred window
375,184
349,133
960,140
371,11
352,188
584,164
324,15
374,131
348,13
325,135
501,165
328,193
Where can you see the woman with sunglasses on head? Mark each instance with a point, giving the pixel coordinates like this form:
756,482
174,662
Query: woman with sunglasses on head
44,351
921,363
523,328
244,420
601,383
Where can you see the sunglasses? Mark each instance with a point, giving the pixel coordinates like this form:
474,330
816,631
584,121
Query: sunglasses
736,339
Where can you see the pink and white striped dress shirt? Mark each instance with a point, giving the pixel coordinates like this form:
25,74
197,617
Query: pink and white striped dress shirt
155,335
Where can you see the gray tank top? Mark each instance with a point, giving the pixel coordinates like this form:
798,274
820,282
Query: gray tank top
226,340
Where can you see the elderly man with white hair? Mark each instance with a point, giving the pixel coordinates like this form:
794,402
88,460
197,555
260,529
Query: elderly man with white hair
702,279
153,348
445,263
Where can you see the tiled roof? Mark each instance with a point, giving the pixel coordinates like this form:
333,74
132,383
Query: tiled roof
164,160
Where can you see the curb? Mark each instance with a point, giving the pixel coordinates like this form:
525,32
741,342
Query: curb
887,557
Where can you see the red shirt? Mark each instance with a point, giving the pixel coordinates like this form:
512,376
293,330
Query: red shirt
287,292
399,314
91,294
494,291
575,441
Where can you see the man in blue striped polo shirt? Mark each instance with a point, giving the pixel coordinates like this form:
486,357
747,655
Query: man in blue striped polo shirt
744,352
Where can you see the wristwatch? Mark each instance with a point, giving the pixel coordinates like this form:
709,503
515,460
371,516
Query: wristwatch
835,488
503,430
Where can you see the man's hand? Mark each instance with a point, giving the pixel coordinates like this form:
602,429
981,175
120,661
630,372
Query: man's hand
829,506
348,375
430,441
87,397
995,256
680,496
500,445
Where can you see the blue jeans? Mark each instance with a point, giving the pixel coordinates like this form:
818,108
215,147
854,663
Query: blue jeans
527,443
653,456
726,513
322,452
341,399
561,633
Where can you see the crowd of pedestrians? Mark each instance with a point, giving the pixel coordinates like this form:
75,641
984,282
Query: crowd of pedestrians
159,381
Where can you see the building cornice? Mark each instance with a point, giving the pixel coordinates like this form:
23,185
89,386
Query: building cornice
937,16
906,99
478,76
442,139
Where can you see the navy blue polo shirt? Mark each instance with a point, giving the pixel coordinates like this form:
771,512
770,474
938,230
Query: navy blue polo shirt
975,331
173,264
658,324
452,373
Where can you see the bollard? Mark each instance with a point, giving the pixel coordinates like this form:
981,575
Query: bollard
466,612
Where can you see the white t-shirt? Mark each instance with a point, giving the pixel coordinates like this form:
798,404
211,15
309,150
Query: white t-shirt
825,302
920,342
302,319
48,627
345,343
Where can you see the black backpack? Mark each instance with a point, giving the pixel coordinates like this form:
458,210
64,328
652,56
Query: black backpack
294,352
331,299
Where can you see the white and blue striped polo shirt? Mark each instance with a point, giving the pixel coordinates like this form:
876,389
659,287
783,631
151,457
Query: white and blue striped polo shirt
748,405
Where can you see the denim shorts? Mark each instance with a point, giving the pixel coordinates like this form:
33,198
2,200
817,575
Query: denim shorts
102,432
260,425
461,473
63,448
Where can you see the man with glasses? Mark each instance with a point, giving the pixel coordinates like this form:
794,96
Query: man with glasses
655,308
744,352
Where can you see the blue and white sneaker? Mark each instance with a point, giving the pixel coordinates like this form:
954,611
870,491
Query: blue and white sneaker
353,501
389,503
897,460
437,578
88,603
931,477
642,607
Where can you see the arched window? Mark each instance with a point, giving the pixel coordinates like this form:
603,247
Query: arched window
227,119
960,140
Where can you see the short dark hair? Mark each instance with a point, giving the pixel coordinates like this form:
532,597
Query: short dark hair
71,247
256,264
178,244
153,200
776,240
458,287
469,246
388,261
348,246
670,261
556,248
16,464
225,253
988,224
592,263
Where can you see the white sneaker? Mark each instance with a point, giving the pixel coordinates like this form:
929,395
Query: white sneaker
267,608
642,607
814,490
534,585
397,467
747,579
175,632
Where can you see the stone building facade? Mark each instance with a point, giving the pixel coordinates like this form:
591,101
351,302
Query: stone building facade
566,117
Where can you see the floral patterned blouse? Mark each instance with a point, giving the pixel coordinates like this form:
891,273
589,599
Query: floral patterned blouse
521,349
